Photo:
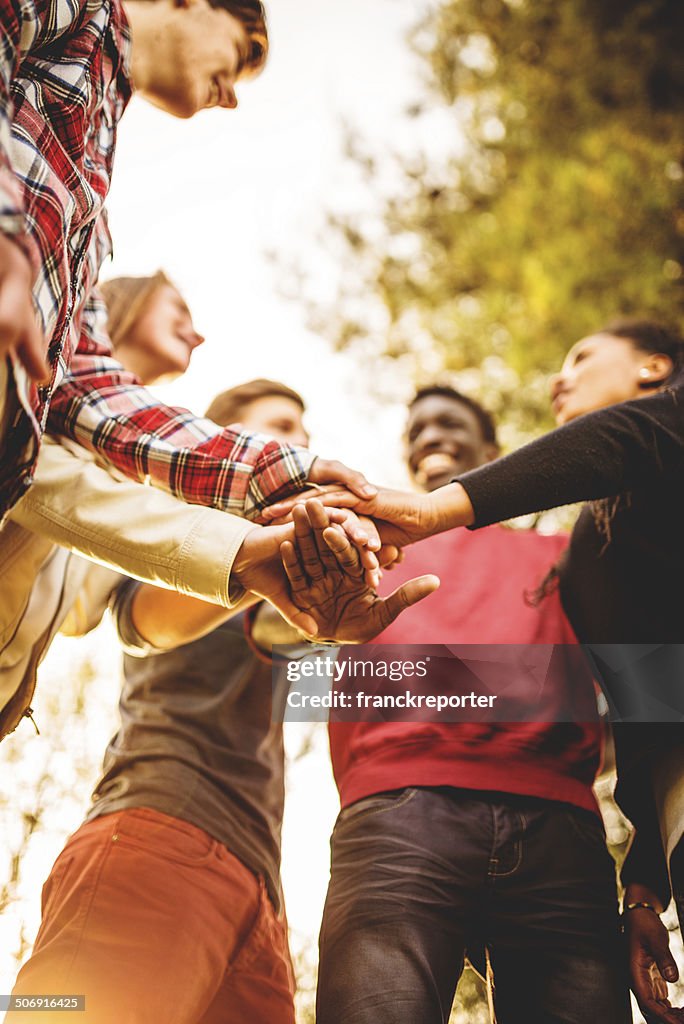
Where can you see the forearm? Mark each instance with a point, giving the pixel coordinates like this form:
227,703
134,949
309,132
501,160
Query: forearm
599,455
12,221
637,892
105,409
164,619
644,872
137,530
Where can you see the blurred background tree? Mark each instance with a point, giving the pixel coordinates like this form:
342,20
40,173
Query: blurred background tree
556,201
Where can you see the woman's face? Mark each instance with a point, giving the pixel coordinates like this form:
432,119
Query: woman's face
162,340
598,371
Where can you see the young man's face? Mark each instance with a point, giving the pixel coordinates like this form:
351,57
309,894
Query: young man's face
444,439
199,54
277,416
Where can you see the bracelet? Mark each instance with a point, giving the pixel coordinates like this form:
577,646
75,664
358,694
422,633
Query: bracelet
641,905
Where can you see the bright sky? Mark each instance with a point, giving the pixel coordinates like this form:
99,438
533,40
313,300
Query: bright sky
205,200
208,198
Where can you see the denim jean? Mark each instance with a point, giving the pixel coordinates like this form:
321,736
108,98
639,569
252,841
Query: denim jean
419,876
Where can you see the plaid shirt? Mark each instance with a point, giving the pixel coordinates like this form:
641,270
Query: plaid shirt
64,85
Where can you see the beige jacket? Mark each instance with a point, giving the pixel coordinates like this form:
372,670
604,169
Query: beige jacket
123,525
668,785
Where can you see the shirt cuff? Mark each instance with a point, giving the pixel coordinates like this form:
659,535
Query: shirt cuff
208,555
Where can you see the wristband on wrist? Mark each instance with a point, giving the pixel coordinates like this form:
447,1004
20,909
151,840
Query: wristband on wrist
639,905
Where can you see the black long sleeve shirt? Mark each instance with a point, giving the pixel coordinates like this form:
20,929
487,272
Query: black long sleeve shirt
621,581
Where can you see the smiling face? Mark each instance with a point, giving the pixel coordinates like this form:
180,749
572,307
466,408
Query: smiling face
192,55
444,439
601,370
161,341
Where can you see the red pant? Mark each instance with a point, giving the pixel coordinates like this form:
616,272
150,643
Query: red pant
155,922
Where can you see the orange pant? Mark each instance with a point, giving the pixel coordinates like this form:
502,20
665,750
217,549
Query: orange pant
155,922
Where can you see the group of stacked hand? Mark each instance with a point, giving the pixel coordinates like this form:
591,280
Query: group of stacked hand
320,560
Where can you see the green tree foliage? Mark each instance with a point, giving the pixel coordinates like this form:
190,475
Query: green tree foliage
561,206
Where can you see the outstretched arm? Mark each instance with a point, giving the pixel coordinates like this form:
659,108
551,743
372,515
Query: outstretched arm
165,619
605,453
401,517
104,408
327,580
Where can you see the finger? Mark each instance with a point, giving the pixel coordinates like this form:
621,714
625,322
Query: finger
328,471
657,1013
306,544
390,555
369,560
282,509
408,594
293,569
338,498
666,964
372,578
302,621
346,555
13,302
367,524
265,520
354,528
29,352
653,1006
319,519
295,615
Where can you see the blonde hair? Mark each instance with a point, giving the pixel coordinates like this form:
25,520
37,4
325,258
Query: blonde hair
126,299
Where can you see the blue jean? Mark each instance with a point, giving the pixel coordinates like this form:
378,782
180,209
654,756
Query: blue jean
419,876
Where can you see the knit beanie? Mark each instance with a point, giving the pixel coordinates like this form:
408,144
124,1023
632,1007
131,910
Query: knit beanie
126,299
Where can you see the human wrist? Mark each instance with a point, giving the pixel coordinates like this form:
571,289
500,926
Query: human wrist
451,507
641,897
242,563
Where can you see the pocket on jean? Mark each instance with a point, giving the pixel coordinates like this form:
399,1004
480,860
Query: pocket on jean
588,828
165,837
376,804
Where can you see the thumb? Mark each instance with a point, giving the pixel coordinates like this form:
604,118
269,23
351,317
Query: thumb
408,594
29,351
302,621
666,963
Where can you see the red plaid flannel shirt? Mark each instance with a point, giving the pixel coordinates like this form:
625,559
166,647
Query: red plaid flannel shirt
64,85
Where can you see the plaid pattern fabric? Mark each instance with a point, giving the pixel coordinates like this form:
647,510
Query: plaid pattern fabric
103,407
64,85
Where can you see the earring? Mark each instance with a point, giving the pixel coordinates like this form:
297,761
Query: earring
644,374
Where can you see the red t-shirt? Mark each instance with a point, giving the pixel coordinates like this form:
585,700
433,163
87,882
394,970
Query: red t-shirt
485,576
